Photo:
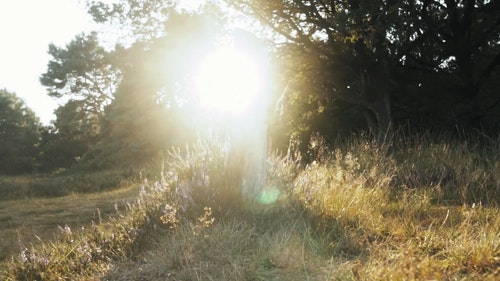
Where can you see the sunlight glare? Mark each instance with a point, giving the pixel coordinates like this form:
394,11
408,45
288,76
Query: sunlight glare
231,89
228,80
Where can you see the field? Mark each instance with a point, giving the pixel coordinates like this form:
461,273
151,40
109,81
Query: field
417,210
31,220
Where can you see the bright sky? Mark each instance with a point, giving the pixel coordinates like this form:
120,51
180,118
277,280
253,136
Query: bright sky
26,29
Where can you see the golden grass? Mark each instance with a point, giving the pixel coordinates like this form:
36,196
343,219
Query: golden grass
30,220
421,212
276,244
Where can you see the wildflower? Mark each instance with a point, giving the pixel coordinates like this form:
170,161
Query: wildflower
85,254
66,231
24,258
170,216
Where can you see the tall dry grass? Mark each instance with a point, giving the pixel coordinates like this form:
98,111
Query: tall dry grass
417,209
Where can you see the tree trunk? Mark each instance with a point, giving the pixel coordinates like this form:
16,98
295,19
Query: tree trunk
374,97
379,119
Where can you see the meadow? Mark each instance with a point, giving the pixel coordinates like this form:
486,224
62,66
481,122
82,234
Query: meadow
30,220
418,209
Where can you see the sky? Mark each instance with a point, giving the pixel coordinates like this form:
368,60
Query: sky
27,27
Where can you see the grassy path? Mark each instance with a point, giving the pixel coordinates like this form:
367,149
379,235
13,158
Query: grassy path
278,244
28,220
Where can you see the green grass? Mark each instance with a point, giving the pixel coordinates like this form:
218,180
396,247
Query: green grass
419,209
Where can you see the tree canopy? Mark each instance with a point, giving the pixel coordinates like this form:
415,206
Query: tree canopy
344,66
82,70
19,135
390,58
145,116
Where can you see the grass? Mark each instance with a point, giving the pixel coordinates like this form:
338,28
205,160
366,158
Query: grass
416,210
246,246
62,183
29,220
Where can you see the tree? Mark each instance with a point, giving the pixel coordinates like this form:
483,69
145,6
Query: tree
335,47
69,138
371,53
452,49
83,71
19,135
144,117
141,20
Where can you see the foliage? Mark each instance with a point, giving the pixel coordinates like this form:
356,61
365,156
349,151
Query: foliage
207,174
82,71
275,245
124,104
345,66
405,209
143,20
80,252
82,74
149,113
75,253
19,135
388,59
69,137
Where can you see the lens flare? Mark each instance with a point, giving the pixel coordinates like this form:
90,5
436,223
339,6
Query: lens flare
268,196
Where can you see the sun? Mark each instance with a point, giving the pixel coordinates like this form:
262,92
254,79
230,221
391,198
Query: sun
229,80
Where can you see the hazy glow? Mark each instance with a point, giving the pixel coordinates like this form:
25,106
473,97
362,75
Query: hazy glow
231,88
228,80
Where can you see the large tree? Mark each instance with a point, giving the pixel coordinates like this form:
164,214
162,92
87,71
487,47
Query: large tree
82,70
375,54
19,135
84,74
451,50
145,115
332,51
